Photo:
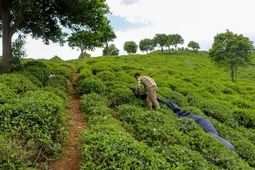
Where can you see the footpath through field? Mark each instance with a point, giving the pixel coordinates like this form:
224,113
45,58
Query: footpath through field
71,154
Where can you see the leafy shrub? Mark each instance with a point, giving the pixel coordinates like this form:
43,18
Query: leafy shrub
246,150
185,158
106,76
85,73
91,101
90,86
12,155
120,96
38,69
17,82
6,94
177,98
32,78
59,81
38,120
63,69
214,152
154,129
116,149
56,91
245,117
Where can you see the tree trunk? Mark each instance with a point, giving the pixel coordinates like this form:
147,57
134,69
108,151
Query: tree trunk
233,74
82,53
162,50
7,36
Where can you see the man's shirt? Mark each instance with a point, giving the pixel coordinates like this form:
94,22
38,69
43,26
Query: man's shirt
147,82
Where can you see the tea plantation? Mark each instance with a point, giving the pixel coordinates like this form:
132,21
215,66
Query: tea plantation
121,132
124,134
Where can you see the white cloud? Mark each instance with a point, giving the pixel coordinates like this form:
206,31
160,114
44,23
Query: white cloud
198,20
129,2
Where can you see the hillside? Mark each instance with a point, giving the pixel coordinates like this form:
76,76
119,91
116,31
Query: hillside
123,133
42,112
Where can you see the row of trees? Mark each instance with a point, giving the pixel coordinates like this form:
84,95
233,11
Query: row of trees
161,40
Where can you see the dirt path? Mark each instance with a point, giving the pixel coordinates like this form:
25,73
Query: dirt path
71,156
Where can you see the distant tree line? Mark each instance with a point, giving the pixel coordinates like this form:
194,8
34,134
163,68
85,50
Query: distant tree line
160,40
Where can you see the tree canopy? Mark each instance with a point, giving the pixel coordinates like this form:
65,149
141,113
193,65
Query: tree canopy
85,40
177,39
194,45
111,50
161,40
146,45
130,47
231,51
46,19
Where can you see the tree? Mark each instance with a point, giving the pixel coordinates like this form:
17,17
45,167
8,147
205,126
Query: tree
169,41
45,19
111,50
146,45
231,51
85,40
177,39
18,52
194,45
130,47
161,40
107,34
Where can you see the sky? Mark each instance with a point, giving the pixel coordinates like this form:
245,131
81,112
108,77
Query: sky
134,20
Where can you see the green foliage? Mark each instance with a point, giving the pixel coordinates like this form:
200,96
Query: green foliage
116,149
130,47
6,94
85,40
120,96
12,156
177,39
59,82
17,83
112,50
161,40
18,52
91,102
231,51
189,80
194,45
56,91
90,86
37,121
146,45
37,70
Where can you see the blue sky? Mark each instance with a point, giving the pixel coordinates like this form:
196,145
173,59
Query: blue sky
197,20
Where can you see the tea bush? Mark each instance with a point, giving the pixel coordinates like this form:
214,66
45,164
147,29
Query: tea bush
6,94
18,83
12,155
38,120
116,149
90,86
59,81
120,96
